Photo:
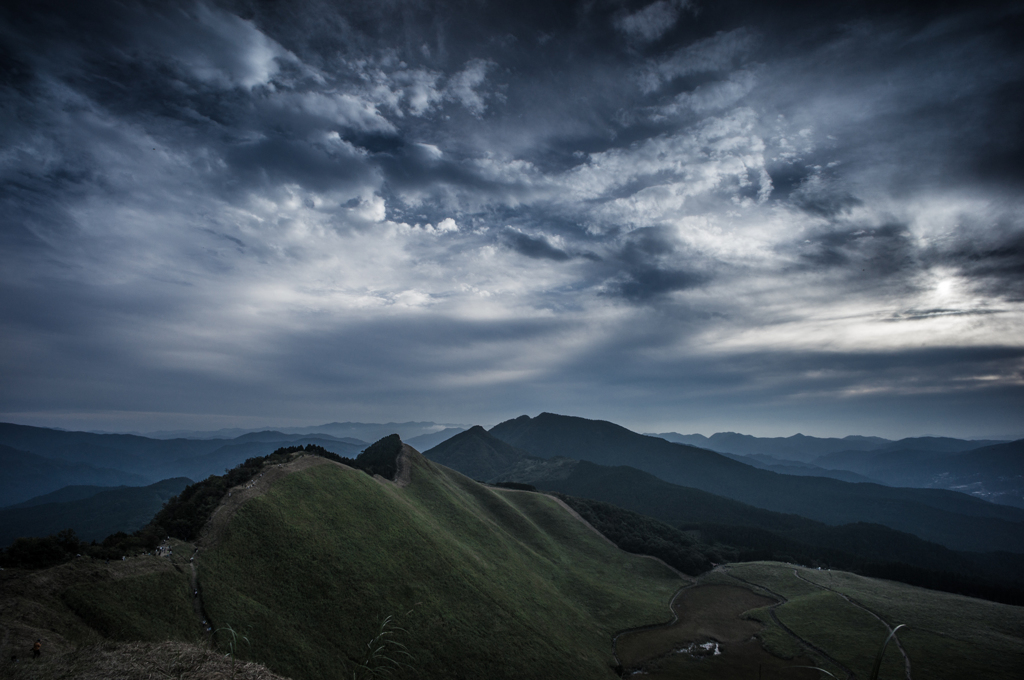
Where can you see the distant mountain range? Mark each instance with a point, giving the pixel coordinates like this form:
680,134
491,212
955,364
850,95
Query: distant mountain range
755,532
987,469
36,461
948,518
93,512
807,449
367,432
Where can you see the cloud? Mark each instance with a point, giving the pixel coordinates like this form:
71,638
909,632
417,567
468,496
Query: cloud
991,260
874,253
652,263
717,54
462,87
651,22
215,46
730,210
537,247
336,109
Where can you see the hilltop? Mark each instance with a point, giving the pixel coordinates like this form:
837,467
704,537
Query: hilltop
308,557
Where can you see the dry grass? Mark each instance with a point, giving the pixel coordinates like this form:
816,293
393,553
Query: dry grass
136,661
708,613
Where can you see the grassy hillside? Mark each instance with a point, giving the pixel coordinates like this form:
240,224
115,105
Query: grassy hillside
949,518
486,582
948,636
117,620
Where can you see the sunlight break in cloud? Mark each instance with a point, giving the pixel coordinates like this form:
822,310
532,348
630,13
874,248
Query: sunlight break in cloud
466,213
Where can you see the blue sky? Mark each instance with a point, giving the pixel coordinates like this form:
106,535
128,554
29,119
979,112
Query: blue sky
693,216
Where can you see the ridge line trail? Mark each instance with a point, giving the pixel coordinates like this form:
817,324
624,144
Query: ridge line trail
850,675
855,603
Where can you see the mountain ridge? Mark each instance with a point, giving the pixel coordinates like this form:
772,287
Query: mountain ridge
949,518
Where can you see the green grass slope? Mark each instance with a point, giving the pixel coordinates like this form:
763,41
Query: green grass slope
487,583
88,602
842,614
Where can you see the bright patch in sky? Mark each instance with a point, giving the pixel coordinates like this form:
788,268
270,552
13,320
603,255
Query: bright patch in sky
669,214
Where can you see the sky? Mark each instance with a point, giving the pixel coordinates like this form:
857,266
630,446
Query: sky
685,215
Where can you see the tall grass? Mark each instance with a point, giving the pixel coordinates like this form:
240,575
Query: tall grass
384,654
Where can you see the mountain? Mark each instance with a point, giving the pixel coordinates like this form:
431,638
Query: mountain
793,467
430,440
798,447
367,432
994,472
92,518
51,459
315,569
75,492
476,454
805,449
949,518
483,581
26,475
237,450
125,452
762,534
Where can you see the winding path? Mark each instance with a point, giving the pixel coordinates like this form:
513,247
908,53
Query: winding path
651,626
850,675
906,658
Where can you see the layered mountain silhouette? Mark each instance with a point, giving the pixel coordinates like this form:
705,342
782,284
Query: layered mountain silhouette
36,460
318,561
987,469
26,475
92,512
949,518
476,453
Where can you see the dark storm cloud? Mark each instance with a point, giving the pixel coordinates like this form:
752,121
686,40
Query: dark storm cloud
868,252
532,246
650,267
276,161
516,201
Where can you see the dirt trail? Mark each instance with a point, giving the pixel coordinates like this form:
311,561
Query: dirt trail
906,658
653,626
850,675
403,475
